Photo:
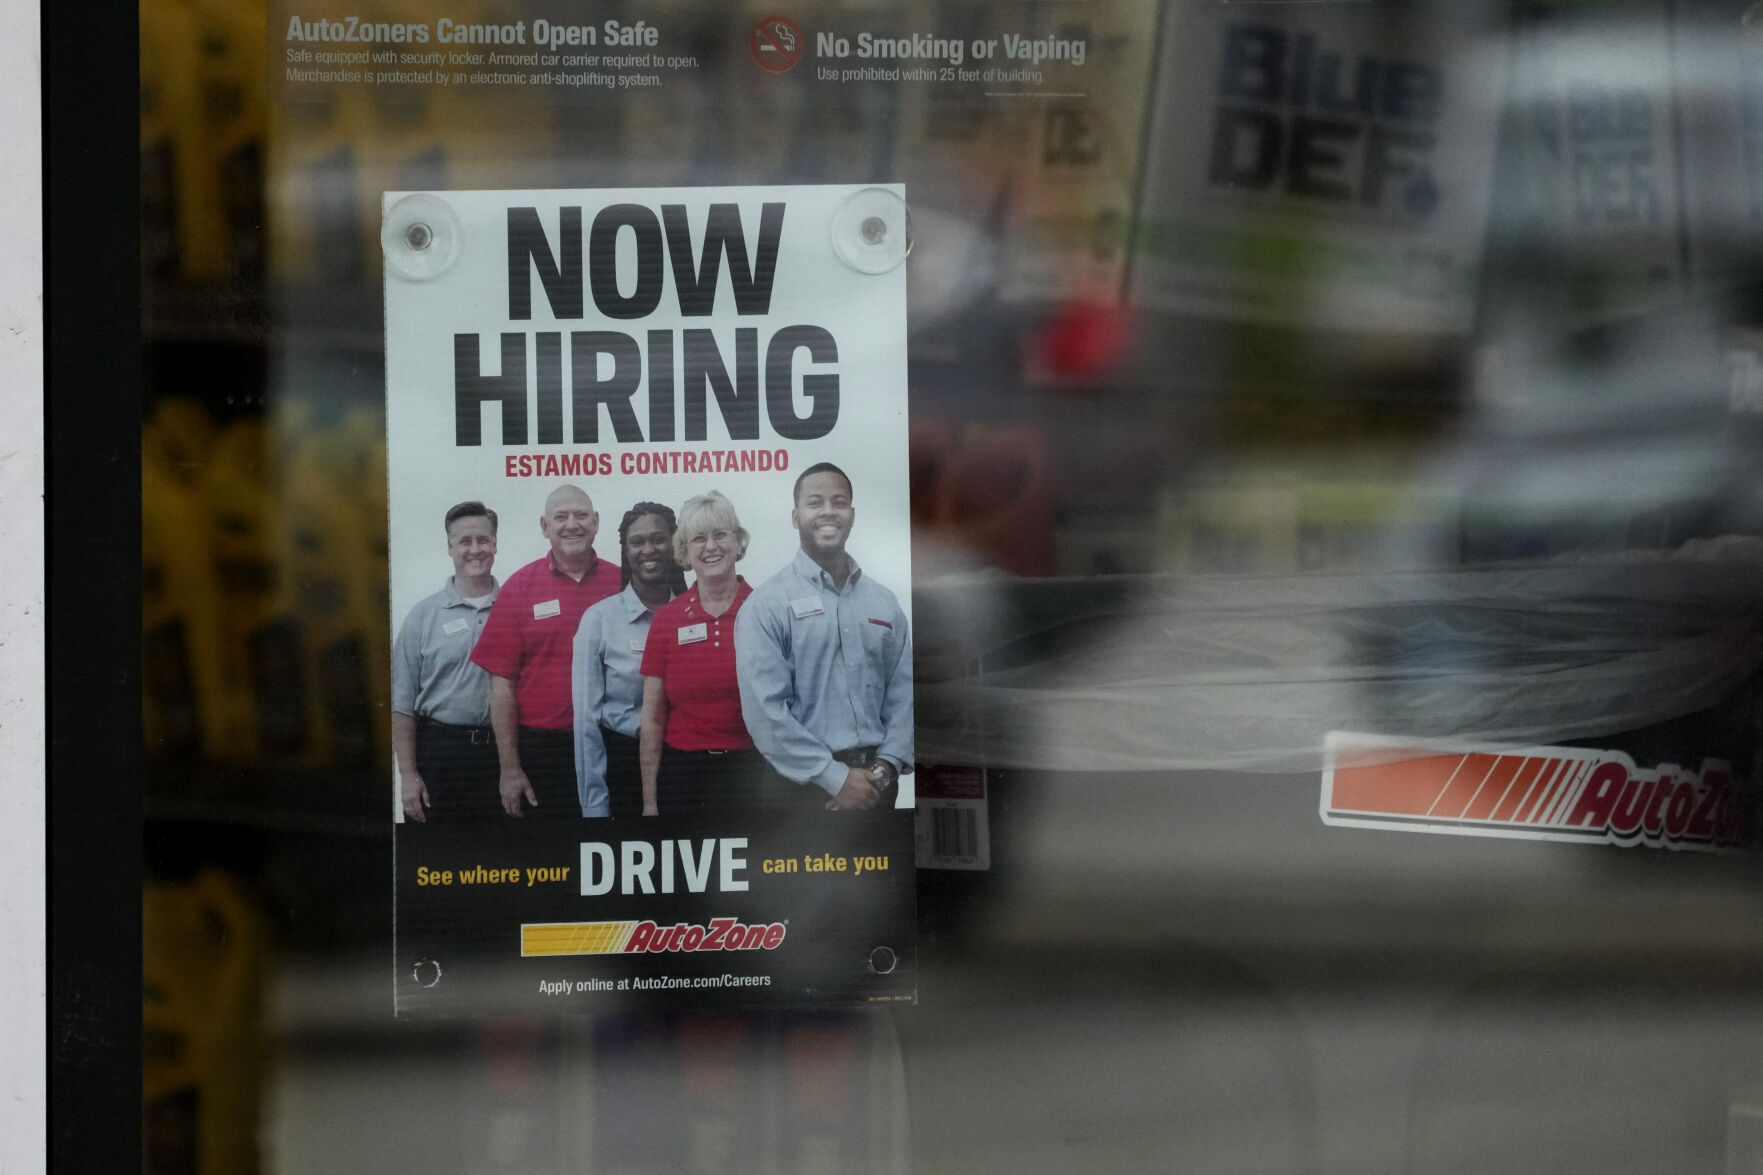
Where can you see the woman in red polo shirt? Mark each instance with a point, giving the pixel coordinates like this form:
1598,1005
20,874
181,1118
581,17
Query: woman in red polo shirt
694,748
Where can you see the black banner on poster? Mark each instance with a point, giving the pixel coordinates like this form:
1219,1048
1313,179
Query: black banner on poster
594,916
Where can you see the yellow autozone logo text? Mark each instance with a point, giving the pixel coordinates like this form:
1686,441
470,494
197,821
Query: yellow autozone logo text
1540,793
629,938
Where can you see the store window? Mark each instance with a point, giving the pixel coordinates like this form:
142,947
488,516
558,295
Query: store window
1170,586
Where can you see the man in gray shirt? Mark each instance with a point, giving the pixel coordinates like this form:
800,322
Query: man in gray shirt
824,660
440,700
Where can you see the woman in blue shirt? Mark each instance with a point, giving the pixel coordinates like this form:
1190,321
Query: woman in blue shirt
607,686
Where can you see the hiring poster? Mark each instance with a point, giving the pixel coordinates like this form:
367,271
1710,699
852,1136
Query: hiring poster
650,597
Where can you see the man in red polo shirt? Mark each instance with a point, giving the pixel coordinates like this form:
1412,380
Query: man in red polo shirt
527,646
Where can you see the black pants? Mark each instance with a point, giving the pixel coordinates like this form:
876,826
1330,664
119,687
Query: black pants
710,781
548,758
458,766
624,774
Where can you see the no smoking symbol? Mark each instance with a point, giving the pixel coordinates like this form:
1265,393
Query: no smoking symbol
776,44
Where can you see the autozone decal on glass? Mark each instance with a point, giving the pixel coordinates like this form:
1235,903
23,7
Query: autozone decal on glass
1534,793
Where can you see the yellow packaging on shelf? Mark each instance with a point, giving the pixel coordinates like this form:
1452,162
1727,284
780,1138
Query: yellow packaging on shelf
345,653
265,697
168,118
180,436
352,459
203,948
233,102
182,706
203,115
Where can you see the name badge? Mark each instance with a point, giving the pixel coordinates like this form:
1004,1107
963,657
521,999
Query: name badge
806,606
692,633
548,608
455,627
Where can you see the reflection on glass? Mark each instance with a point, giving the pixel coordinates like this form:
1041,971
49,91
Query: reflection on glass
1277,370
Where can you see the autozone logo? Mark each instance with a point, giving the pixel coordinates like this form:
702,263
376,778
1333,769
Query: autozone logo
1541,793
629,938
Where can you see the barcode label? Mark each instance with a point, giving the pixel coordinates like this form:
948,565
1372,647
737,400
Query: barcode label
952,834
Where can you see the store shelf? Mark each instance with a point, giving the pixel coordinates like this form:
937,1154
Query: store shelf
344,802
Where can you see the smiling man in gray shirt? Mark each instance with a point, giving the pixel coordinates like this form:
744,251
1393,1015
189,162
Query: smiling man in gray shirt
824,660
441,701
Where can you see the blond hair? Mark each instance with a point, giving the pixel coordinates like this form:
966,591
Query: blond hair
703,514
